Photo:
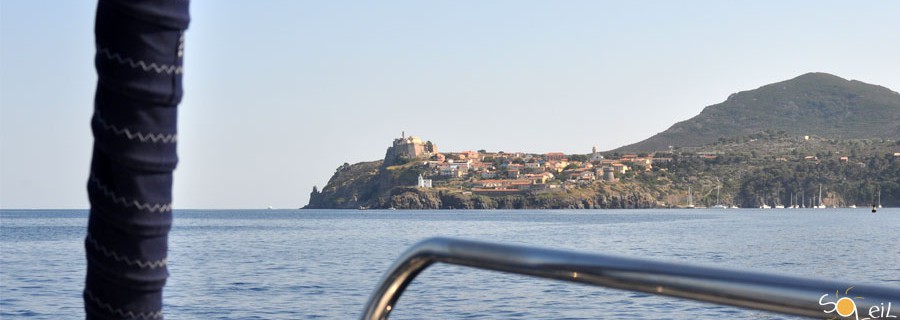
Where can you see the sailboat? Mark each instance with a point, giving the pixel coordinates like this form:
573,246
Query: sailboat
875,207
820,205
718,205
763,204
803,199
690,199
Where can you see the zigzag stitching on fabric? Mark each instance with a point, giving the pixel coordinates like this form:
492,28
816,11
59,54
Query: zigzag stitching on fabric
121,313
155,137
125,202
158,68
121,258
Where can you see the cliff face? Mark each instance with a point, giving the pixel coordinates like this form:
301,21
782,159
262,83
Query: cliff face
773,169
364,184
416,198
372,185
350,187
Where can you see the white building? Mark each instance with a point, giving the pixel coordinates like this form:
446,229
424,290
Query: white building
424,183
595,156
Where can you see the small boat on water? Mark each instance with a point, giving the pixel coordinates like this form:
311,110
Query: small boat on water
878,206
820,205
690,199
718,205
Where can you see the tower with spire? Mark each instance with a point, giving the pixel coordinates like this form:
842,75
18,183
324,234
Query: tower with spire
595,156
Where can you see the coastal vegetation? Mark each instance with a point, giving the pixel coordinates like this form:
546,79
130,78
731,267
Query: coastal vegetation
770,168
816,104
815,140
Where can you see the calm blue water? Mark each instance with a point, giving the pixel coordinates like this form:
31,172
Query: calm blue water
324,264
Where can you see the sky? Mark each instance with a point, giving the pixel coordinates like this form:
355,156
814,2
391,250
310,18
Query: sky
278,94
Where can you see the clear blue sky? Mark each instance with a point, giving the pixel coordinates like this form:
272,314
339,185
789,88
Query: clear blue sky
280,93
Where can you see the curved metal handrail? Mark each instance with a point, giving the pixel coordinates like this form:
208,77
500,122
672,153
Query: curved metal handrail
783,294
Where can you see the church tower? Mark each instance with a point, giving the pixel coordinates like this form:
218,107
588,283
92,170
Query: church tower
595,156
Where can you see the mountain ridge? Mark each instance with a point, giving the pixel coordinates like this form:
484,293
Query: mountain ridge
811,104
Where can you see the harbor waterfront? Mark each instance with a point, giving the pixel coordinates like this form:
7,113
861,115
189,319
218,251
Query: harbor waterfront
304,264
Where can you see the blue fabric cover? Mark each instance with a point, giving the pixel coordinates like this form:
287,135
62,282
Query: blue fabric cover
140,45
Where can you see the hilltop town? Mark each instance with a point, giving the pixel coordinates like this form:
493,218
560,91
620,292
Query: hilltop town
768,169
493,173
816,140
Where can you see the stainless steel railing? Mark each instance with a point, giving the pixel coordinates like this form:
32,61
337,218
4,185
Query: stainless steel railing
790,295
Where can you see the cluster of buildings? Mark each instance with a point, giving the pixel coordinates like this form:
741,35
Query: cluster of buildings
499,172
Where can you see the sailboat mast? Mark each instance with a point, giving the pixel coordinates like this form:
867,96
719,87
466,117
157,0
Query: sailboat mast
820,196
690,197
717,194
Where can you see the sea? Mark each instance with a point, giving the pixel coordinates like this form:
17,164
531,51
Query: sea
324,264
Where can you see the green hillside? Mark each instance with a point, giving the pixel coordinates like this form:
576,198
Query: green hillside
764,168
813,140
817,104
